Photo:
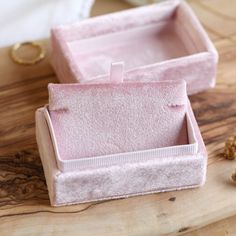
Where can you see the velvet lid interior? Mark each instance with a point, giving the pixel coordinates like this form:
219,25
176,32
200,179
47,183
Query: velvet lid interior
167,35
102,119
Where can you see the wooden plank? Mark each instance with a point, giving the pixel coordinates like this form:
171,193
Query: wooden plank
11,72
221,228
24,204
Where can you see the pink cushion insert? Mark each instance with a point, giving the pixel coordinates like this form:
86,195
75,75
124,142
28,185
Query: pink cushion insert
102,119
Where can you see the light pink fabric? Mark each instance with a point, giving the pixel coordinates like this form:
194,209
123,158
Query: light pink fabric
103,119
159,42
117,72
157,175
156,42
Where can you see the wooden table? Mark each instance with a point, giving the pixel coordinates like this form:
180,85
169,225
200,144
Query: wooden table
24,203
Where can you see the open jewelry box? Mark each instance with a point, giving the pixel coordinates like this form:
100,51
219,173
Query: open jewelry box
114,140
157,42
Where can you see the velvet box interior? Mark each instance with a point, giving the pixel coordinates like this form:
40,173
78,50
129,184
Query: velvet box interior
156,42
112,140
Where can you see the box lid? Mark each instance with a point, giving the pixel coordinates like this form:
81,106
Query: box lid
162,41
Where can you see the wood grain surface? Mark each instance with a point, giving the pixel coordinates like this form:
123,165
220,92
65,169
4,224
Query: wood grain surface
24,203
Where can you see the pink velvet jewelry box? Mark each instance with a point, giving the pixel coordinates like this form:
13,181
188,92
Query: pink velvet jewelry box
157,42
114,140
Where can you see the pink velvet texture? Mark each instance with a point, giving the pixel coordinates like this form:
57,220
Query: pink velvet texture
101,119
89,121
156,42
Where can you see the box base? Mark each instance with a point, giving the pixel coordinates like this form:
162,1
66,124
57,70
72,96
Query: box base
131,179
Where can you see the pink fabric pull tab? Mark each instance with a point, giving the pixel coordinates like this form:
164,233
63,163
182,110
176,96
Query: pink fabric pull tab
117,72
